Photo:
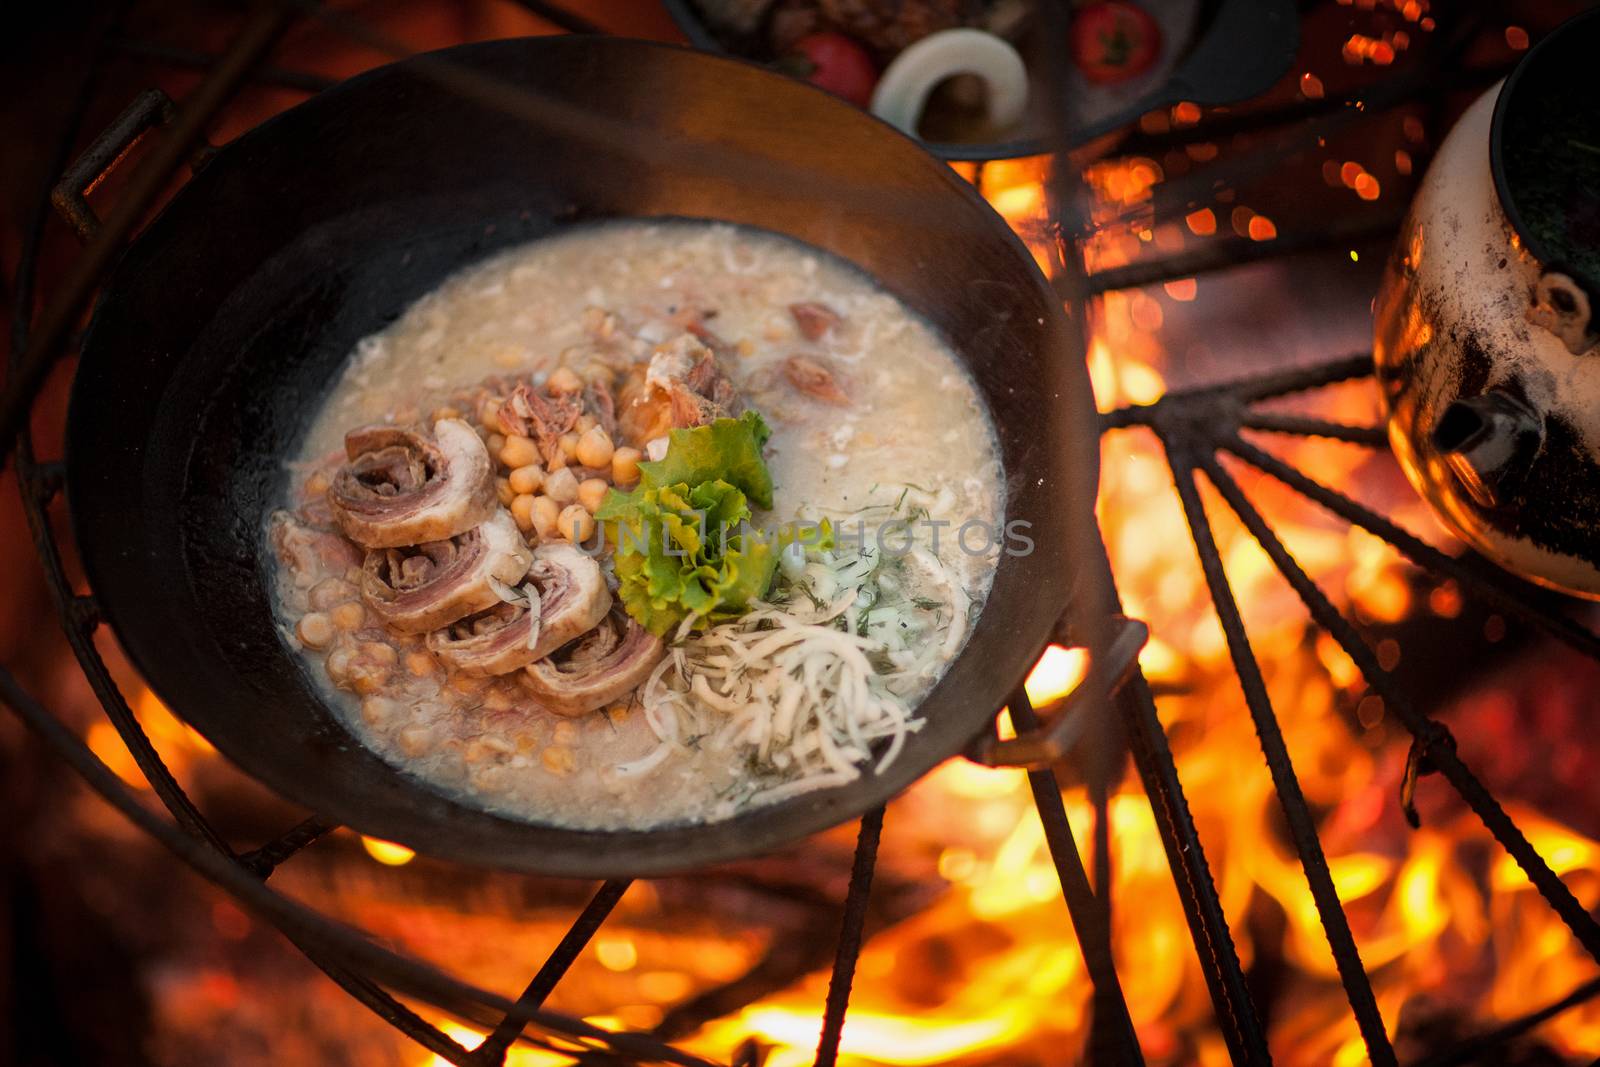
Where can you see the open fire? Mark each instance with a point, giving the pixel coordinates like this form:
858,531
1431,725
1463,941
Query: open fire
974,960
988,970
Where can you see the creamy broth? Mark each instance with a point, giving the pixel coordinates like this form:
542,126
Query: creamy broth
914,441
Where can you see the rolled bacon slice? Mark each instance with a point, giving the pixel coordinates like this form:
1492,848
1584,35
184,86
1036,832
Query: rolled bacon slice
613,660
571,598
402,487
423,587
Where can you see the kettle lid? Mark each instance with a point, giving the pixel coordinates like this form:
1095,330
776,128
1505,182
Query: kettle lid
1544,150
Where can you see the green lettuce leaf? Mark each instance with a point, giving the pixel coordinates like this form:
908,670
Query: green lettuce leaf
725,449
680,552
680,544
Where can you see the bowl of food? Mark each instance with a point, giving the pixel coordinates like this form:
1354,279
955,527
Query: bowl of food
549,484
997,79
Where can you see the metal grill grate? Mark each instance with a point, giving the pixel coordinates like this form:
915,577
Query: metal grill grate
1195,427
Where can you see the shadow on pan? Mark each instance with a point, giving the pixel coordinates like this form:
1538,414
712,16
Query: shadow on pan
227,320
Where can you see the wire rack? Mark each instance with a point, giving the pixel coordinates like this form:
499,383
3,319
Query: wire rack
1195,427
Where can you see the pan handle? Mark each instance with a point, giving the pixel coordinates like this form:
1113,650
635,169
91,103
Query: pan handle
149,109
1040,748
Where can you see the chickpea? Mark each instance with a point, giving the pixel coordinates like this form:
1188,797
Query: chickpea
595,448
338,665
617,713
518,452
489,413
569,446
367,677
314,630
625,466
522,511
563,380
576,524
494,443
419,664
486,778
317,484
546,514
527,479
591,491
504,490
558,760
380,653
350,615
377,711
416,741
584,424
330,592
562,486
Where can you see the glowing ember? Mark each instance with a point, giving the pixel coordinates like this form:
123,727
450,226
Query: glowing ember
387,852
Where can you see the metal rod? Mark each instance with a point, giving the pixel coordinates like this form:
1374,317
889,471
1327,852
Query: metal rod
1229,398
1442,755
850,937
1227,171
1112,1039
270,856
79,615
1302,828
1492,584
298,80
1191,873
493,1049
1475,1049
306,927
1216,126
1222,253
145,186
1306,426
570,21
38,485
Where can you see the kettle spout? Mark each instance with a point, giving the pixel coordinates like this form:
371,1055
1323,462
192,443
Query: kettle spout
1490,441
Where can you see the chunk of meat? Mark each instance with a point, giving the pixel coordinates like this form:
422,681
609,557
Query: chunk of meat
427,586
599,402
682,386
814,320
402,487
608,663
571,598
815,379
529,413
309,552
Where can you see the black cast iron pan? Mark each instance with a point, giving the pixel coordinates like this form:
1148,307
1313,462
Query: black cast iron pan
220,330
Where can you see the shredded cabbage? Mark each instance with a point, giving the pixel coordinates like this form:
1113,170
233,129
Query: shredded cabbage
812,681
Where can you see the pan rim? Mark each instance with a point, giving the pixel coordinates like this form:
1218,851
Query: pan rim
804,815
